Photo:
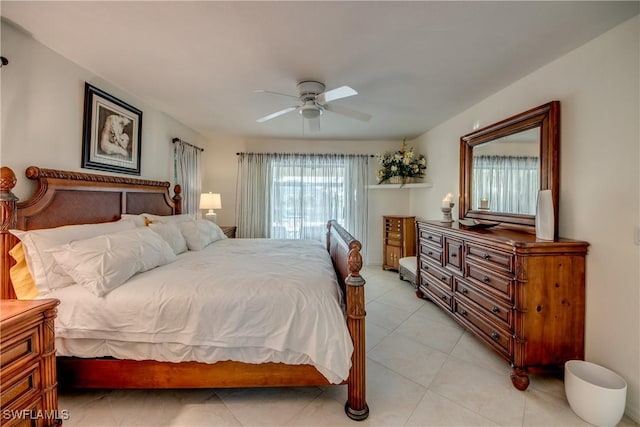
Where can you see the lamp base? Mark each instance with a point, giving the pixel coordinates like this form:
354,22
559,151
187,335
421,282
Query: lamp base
211,216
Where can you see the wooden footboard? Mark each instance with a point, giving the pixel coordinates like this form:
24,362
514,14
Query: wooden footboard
64,198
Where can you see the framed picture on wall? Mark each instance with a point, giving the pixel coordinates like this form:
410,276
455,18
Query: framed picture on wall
112,133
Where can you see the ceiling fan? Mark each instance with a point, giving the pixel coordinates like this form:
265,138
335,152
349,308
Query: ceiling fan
313,101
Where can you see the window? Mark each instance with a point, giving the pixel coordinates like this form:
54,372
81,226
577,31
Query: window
292,196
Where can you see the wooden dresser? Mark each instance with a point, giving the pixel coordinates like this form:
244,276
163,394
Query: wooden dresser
521,297
28,395
398,240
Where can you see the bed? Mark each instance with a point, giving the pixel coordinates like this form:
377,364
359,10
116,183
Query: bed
67,198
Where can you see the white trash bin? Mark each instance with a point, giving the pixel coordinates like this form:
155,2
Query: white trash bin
595,393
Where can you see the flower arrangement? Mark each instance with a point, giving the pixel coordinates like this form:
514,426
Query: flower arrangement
403,163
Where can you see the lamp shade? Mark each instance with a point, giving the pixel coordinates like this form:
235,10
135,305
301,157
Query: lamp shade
210,201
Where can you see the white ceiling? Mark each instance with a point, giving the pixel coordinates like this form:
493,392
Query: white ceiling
414,64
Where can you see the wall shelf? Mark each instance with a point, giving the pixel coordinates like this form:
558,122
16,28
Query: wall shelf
400,186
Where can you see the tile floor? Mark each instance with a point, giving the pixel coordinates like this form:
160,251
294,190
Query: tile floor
423,370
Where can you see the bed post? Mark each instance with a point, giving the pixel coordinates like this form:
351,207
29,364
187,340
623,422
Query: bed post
345,254
8,220
177,199
356,406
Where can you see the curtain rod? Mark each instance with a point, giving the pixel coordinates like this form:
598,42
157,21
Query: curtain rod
305,154
185,142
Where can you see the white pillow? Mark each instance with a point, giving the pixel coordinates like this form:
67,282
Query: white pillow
172,235
102,263
46,273
216,231
169,218
200,233
137,219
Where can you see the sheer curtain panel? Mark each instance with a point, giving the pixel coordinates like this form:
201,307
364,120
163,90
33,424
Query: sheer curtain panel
509,183
291,196
188,173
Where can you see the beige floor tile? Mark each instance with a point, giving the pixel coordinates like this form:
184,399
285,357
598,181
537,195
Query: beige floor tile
409,358
267,406
386,316
434,334
471,350
435,410
480,390
544,410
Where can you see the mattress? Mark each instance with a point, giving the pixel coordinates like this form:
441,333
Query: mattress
250,300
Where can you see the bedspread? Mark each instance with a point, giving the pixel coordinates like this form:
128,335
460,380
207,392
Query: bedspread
262,296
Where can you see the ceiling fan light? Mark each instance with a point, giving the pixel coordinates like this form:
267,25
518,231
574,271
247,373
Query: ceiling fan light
310,112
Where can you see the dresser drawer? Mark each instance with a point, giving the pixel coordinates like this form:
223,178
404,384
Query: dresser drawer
500,285
453,254
497,311
20,387
29,414
492,259
438,274
393,223
393,235
431,252
498,337
432,289
430,236
19,348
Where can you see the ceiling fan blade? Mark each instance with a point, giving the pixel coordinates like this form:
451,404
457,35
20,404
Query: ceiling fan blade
276,114
348,112
275,93
337,93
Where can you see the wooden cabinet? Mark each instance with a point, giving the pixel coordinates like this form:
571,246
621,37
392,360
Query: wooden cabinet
399,240
521,297
229,230
28,392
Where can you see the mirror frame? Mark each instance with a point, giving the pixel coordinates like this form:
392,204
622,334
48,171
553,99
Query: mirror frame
547,118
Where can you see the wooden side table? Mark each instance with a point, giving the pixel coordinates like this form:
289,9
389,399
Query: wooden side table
229,230
29,394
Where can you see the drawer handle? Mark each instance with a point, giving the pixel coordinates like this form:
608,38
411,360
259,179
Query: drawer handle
486,279
495,310
464,313
429,237
454,255
495,336
464,291
430,253
443,278
444,297
486,256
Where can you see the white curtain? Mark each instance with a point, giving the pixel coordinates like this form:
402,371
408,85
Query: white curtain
509,183
291,196
188,173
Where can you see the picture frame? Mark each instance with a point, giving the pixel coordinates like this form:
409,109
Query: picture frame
112,133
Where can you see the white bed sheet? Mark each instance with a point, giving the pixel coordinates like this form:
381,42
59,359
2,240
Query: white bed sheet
250,300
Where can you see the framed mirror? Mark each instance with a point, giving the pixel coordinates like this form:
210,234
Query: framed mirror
504,165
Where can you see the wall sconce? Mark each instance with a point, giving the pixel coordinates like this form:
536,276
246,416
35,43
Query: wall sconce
210,201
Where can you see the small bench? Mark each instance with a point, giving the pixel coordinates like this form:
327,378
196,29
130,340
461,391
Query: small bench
408,268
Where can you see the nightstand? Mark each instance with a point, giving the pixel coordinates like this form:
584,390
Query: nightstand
28,363
229,230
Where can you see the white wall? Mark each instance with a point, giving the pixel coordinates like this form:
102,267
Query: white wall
221,169
42,114
598,86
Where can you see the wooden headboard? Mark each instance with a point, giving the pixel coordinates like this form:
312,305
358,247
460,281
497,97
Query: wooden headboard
66,198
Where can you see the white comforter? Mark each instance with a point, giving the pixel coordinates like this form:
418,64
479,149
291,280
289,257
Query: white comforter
238,299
